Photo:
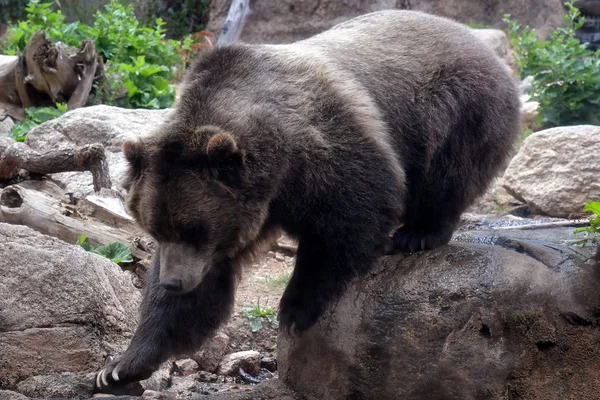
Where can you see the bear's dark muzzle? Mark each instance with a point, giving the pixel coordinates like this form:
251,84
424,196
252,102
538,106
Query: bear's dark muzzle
172,285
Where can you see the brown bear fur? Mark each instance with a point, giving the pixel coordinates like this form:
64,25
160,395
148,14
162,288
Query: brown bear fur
392,118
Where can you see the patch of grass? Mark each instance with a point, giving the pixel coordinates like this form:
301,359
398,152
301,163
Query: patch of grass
257,313
279,281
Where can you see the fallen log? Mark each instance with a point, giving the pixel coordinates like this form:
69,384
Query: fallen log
15,156
41,207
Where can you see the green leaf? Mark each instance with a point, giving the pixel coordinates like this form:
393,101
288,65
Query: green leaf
256,324
82,241
116,252
272,318
593,206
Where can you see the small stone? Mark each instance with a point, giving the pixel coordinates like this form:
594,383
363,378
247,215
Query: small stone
286,243
210,354
8,395
271,254
269,363
152,395
203,376
5,124
249,361
187,366
279,257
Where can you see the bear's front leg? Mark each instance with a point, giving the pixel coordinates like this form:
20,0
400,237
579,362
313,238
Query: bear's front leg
320,276
171,324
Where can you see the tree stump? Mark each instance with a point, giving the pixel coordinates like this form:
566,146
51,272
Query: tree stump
48,73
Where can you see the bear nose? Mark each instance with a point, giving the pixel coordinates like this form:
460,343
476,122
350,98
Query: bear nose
172,285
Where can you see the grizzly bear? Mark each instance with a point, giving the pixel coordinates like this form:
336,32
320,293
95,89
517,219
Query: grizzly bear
371,137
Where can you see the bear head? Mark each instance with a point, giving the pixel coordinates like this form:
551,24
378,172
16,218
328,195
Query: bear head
186,190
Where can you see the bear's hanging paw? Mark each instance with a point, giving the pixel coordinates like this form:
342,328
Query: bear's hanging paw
409,240
298,313
121,377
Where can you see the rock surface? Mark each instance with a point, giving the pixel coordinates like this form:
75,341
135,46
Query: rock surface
556,170
284,21
210,355
10,395
109,126
6,123
187,366
248,360
62,309
465,321
496,40
69,385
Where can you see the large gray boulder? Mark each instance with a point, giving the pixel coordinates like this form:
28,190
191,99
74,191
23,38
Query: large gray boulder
284,21
518,319
109,126
62,309
556,170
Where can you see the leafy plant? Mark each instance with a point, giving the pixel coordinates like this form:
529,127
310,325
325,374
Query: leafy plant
146,87
42,16
116,252
181,17
256,314
594,226
139,57
566,73
11,10
35,116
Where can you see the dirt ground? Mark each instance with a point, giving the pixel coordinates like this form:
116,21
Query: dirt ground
261,286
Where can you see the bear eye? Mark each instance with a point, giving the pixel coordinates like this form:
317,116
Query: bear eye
193,234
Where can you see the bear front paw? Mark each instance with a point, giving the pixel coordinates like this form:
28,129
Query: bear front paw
118,376
409,240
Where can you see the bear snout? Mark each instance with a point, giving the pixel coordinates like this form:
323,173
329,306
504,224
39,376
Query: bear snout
172,285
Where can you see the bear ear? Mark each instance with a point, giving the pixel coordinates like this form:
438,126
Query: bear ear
132,149
225,159
222,151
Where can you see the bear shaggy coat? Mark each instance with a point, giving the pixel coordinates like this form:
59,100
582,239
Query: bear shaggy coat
374,135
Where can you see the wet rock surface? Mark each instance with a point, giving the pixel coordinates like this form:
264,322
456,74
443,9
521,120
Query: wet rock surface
516,318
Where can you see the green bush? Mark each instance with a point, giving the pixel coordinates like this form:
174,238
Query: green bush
35,116
182,17
138,58
566,73
12,10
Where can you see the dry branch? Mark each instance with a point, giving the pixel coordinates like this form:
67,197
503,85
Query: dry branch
234,23
15,156
10,103
42,209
